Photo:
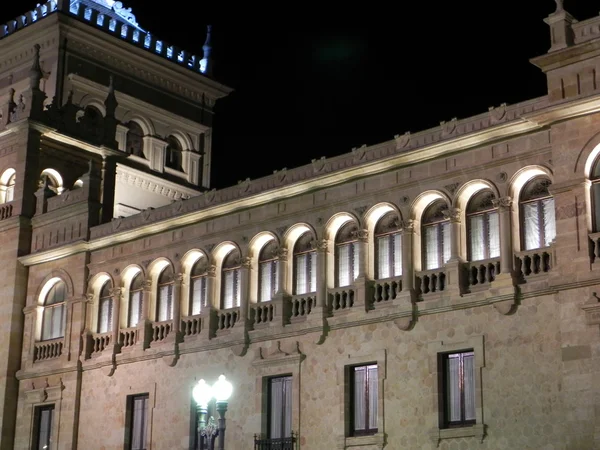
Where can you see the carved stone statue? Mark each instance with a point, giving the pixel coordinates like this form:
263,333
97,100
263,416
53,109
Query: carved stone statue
559,5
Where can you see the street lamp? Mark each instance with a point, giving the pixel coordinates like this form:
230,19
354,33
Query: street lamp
207,430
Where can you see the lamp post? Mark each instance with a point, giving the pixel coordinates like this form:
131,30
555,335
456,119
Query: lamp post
207,430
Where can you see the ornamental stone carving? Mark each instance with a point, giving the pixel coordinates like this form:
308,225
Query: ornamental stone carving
408,226
115,292
211,271
319,245
361,235
282,253
452,214
502,203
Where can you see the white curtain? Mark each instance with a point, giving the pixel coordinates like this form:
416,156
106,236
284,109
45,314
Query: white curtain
476,230
355,257
383,257
397,246
360,386
268,280
280,407
454,383
45,429
494,234
138,435
373,396
105,315
344,253
531,226
549,221
198,295
469,385
302,263
446,242
54,322
135,308
165,302
232,289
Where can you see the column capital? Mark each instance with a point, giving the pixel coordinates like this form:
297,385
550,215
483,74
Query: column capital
453,214
282,253
361,235
147,285
246,262
211,271
115,292
179,278
320,245
502,203
407,226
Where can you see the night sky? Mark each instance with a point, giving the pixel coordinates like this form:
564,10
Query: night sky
314,81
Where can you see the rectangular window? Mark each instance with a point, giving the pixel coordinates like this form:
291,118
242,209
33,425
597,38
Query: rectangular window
389,256
53,326
347,263
279,413
42,432
364,399
306,273
457,388
137,422
268,280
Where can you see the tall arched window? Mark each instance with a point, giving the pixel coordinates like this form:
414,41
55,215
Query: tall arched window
164,299
537,212
483,227
55,312
105,308
134,144
10,188
388,244
346,252
231,286
198,294
305,265
54,180
436,236
595,178
173,154
136,297
268,265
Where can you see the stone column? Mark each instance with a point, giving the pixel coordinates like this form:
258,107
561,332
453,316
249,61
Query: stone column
362,293
408,266
283,307
116,293
245,268
177,304
209,315
321,247
145,334
282,258
506,254
453,215
454,267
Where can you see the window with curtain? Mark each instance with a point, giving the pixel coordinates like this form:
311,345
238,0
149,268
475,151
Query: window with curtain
173,154
537,214
364,397
42,433
136,297
483,227
137,422
595,191
198,295
164,298
55,312
134,144
10,189
388,247
457,389
279,413
305,265
105,308
230,279
346,255
268,266
435,231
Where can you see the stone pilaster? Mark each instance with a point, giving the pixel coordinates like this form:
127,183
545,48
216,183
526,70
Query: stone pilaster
408,293
144,325
454,268
362,286
116,294
561,31
177,288
504,205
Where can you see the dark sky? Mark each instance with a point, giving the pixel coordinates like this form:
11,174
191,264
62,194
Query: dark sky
314,81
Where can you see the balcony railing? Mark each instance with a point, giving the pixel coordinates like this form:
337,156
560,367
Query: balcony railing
49,349
287,443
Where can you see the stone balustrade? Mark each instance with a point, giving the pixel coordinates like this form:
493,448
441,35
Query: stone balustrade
192,325
302,305
430,281
6,211
49,349
483,272
386,289
341,298
160,330
128,337
227,319
529,263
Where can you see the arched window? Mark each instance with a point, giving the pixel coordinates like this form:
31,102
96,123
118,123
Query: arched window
164,299
55,312
231,280
436,236
198,295
595,178
537,209
388,244
346,252
9,196
305,265
134,144
173,154
54,180
483,227
105,309
136,297
268,266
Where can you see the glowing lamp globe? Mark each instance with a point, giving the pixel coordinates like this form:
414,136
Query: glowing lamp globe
222,389
202,393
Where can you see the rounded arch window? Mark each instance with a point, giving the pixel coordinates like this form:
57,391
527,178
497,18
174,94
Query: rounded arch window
483,227
173,155
305,265
595,191
55,312
435,235
105,308
231,280
134,142
537,214
198,293
164,301
268,266
388,245
136,296
53,180
346,252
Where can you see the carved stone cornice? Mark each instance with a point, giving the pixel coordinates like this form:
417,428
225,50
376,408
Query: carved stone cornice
452,214
152,184
278,357
502,203
246,262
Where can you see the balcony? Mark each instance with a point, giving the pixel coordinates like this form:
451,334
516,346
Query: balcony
287,443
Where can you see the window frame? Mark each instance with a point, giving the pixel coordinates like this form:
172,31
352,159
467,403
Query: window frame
309,268
37,418
353,254
174,154
487,236
169,283
130,421
541,219
236,268
102,300
443,386
199,273
132,131
140,301
439,226
269,263
51,309
285,409
367,397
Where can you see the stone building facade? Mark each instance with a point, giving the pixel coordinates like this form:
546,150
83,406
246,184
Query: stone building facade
437,290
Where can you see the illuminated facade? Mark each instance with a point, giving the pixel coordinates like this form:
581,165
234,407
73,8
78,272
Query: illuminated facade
437,290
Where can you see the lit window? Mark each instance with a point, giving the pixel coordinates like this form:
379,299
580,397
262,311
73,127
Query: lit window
173,156
137,422
198,295
10,189
42,433
483,227
134,144
346,252
537,212
457,387
267,272
436,236
164,300
279,413
105,309
53,324
364,399
388,242
231,280
305,265
136,297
